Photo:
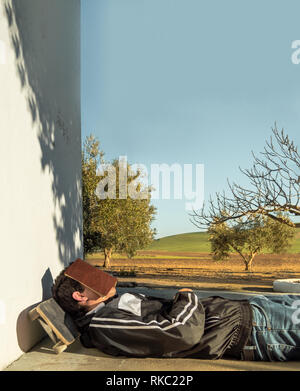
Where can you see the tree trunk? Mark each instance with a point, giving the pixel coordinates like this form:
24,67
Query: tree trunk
247,259
107,256
248,262
247,266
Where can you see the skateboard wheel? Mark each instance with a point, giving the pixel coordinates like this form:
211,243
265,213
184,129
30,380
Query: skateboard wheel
59,348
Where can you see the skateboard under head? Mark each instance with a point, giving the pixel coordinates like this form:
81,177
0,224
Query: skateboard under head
56,322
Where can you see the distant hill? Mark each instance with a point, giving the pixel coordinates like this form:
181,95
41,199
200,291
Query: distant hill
193,241
198,242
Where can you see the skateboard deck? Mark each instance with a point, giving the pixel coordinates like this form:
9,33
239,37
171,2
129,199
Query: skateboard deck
59,325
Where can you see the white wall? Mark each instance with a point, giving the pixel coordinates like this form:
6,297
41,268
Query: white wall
40,142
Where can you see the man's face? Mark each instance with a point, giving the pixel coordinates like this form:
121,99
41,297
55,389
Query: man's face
94,296
90,299
91,295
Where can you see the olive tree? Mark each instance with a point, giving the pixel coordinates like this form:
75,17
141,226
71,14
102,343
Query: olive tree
248,240
116,208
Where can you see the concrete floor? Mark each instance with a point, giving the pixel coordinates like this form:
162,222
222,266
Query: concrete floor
78,358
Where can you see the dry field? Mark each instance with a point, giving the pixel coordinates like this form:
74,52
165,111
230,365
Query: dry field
199,270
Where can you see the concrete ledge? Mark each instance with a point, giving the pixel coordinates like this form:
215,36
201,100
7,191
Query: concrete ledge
77,358
288,285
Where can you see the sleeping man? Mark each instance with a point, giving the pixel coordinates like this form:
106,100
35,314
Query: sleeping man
135,325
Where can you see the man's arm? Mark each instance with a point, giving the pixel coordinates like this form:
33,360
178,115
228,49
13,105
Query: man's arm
120,332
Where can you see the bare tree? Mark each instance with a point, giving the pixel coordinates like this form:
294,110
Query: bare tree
274,187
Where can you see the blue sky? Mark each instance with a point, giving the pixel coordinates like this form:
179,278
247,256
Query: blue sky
189,82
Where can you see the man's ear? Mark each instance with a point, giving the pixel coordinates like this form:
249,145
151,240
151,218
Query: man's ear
78,296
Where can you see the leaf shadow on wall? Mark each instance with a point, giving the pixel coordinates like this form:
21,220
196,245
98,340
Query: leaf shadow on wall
45,38
51,84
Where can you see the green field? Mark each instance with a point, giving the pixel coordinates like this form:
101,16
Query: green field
193,242
198,242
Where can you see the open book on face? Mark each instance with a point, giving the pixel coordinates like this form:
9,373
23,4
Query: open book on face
91,277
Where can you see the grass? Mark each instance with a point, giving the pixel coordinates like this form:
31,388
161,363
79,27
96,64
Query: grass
192,242
191,251
149,253
185,260
200,271
198,242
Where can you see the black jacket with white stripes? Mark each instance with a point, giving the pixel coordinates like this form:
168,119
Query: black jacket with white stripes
141,326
